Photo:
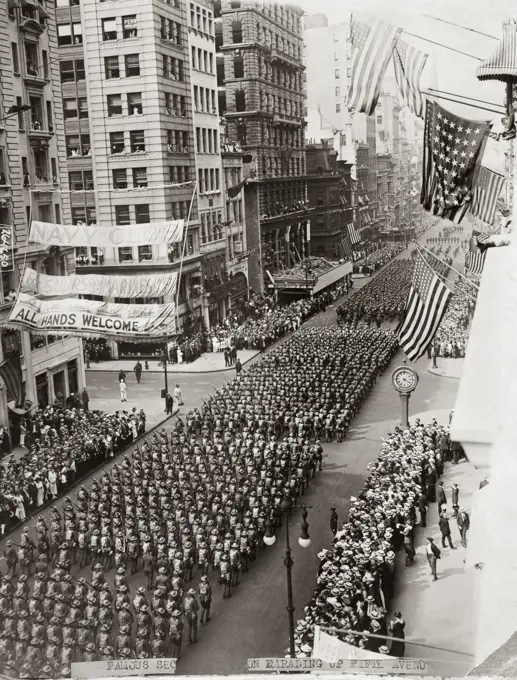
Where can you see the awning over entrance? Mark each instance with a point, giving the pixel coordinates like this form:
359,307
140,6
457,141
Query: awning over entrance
332,276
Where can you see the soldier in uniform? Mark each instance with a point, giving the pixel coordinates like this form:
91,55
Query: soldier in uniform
190,609
205,599
89,652
176,633
148,564
123,640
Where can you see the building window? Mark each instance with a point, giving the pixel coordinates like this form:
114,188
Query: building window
31,55
238,66
129,29
338,91
117,144
137,141
349,72
132,62
134,103
70,110
236,32
114,104
336,73
336,37
78,145
72,70
16,59
379,120
242,134
145,253
64,34
77,32
240,100
235,4
111,67
338,108
122,214
336,56
125,254
79,215
81,181
109,29
140,177
142,214
83,107
120,179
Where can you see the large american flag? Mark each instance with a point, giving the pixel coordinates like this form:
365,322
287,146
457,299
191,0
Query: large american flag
426,305
486,192
353,233
409,64
373,50
453,148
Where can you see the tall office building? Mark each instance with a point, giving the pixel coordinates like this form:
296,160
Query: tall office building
213,233
328,58
260,66
127,103
32,177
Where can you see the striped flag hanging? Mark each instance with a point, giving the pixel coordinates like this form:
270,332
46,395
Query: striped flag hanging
426,305
346,247
476,254
11,374
409,64
373,50
354,235
486,193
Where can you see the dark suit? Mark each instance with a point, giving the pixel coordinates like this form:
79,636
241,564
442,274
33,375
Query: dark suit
431,558
455,499
441,498
422,509
445,529
463,520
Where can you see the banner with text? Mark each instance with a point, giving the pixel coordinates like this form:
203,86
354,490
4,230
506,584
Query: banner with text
132,323
330,648
79,235
134,286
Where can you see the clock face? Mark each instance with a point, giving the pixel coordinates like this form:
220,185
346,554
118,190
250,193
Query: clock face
404,379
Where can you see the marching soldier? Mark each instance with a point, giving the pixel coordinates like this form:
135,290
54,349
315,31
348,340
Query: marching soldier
190,609
205,599
148,564
176,633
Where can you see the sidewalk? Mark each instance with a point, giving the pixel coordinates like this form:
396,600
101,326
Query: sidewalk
441,613
448,368
210,362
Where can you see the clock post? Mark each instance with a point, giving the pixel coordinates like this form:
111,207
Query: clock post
405,380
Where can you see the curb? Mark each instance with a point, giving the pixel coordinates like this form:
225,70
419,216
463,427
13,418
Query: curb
37,511
172,373
441,373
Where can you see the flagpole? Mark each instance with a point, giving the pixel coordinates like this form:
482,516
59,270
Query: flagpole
463,96
465,28
472,106
440,260
452,49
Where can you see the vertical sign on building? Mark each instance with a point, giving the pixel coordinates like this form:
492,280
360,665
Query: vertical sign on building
6,248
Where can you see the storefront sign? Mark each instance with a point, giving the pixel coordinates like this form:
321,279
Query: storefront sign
125,667
6,248
92,318
106,236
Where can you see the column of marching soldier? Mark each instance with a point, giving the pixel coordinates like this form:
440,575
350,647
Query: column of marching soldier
202,497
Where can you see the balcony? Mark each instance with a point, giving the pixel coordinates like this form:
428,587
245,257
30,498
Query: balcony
276,55
36,132
286,119
34,77
211,247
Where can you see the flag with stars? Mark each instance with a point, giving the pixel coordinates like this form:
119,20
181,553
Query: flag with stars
453,149
426,305
373,48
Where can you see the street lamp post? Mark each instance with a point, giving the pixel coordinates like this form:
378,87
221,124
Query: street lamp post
304,541
165,359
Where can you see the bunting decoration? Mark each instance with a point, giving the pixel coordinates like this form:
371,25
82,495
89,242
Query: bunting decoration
354,235
106,236
124,286
131,323
234,191
453,149
346,247
374,47
11,374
